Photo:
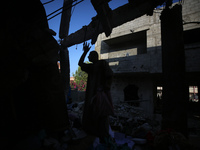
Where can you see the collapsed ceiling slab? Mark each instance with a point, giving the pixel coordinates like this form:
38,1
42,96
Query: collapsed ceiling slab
104,13
130,11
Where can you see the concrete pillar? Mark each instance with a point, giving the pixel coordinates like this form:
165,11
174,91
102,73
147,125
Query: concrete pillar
64,53
173,60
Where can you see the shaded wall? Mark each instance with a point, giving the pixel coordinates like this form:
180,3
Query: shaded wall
133,50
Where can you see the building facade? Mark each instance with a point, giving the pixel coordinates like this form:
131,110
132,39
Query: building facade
134,52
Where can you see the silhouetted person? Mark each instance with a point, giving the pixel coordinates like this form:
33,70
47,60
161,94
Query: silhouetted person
98,103
32,98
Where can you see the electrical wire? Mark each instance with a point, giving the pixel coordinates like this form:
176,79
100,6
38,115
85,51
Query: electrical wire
47,2
73,11
62,10
54,11
58,9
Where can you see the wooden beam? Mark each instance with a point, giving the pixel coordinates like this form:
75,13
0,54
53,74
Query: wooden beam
120,15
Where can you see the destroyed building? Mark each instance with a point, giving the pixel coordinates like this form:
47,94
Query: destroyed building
134,52
33,97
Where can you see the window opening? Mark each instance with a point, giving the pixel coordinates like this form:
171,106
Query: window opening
158,101
193,94
131,94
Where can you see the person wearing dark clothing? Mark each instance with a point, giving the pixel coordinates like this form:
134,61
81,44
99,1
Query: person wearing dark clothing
32,97
98,104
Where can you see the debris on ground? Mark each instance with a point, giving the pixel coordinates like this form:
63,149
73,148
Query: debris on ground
130,129
132,121
130,126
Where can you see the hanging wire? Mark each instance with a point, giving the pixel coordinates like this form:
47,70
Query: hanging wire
47,2
54,11
62,10
58,9
73,10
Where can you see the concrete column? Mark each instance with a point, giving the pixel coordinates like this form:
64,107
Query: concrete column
173,61
64,53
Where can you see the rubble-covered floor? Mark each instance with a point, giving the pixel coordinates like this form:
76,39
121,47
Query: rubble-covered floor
194,126
130,129
132,124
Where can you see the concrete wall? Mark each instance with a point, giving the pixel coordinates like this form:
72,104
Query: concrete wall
145,91
138,52
191,13
134,53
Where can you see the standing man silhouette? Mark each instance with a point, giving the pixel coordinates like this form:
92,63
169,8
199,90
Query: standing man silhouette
98,103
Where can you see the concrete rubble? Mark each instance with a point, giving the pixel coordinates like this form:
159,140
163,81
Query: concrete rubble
129,126
130,129
126,118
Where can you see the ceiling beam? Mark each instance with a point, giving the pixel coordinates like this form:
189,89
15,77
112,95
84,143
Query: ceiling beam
130,11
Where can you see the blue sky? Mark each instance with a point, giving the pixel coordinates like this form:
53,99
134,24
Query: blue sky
81,16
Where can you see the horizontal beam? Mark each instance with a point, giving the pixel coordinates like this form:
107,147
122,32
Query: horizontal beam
120,15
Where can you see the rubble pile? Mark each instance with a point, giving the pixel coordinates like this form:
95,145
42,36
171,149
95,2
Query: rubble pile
128,111
132,121
128,121
130,129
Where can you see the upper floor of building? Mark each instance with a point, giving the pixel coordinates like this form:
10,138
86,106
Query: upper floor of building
136,46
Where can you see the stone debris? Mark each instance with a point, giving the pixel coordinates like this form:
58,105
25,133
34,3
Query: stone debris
129,125
130,129
132,121
127,119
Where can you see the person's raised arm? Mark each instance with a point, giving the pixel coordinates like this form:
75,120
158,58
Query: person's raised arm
86,48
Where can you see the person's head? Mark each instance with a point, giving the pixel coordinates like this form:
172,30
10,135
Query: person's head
93,56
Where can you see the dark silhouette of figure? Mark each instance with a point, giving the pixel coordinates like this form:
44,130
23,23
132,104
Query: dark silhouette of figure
98,103
32,98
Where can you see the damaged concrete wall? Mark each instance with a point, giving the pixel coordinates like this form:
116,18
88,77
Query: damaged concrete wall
145,91
135,44
133,51
191,16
